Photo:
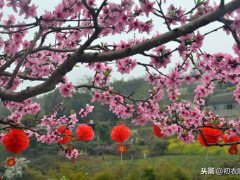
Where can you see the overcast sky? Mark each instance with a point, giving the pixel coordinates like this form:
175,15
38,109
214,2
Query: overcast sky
216,42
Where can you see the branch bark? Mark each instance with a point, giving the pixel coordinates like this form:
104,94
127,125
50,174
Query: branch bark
164,38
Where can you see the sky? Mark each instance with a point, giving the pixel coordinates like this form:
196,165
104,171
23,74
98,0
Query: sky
216,42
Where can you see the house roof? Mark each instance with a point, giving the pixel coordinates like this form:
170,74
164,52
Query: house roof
223,98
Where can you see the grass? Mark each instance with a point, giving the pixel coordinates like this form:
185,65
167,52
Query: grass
54,167
163,167
195,162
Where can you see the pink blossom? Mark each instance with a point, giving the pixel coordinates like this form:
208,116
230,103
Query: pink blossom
84,113
66,89
237,93
72,154
126,65
96,96
1,4
170,130
73,120
147,7
186,137
1,136
13,4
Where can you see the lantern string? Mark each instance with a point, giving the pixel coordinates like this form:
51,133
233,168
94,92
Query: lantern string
121,167
121,158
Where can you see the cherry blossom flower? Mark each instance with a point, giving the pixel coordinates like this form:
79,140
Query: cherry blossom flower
84,113
147,7
66,89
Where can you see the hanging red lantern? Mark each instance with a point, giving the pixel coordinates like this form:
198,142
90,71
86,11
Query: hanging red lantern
157,131
211,135
121,148
85,132
120,133
66,134
15,141
227,139
11,162
233,150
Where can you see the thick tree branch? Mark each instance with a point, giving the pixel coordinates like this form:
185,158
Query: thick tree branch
228,23
162,39
222,4
24,77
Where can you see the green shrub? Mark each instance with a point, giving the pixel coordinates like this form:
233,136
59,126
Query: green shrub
148,174
115,172
158,147
157,171
135,151
142,172
180,174
106,175
31,173
177,147
181,167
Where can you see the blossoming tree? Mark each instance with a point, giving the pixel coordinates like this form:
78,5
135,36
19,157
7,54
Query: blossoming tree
77,32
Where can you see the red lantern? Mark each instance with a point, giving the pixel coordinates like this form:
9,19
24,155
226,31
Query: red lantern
233,150
211,135
157,131
121,148
85,132
227,139
11,162
15,141
66,134
120,133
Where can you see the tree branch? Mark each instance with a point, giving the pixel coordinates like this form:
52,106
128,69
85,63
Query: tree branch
161,39
233,31
22,76
10,83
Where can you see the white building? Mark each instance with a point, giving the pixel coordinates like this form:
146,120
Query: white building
225,105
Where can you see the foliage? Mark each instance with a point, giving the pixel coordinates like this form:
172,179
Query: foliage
164,167
176,147
159,147
167,171
103,134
